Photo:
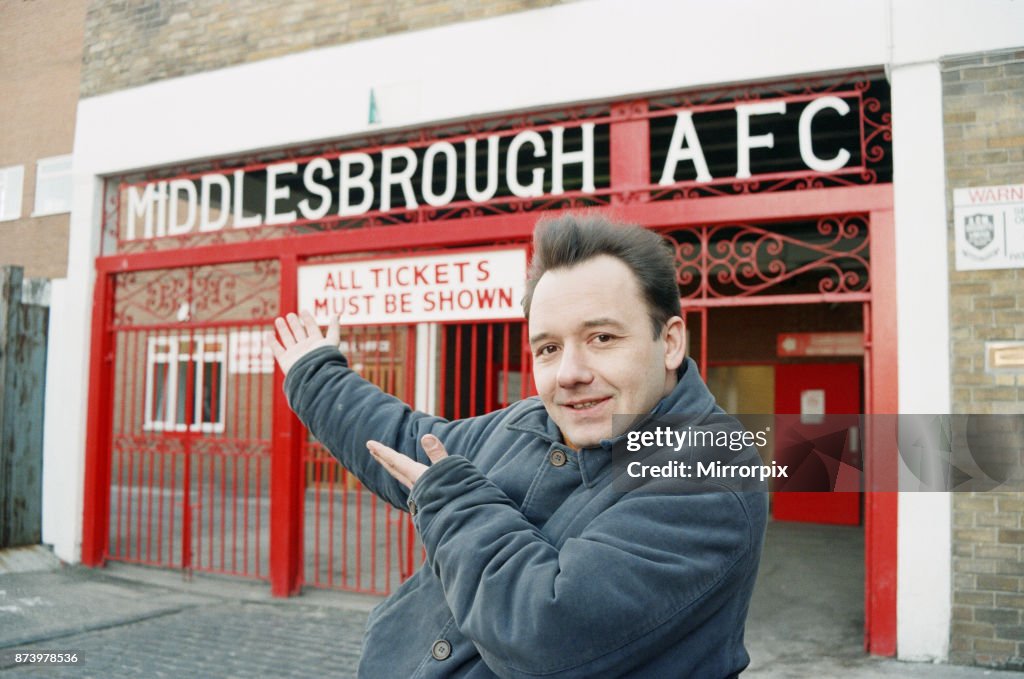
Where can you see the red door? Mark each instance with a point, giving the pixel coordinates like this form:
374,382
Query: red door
810,389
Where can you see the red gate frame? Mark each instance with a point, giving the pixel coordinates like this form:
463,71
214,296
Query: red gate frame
629,167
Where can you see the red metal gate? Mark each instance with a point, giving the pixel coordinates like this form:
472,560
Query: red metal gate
192,404
190,446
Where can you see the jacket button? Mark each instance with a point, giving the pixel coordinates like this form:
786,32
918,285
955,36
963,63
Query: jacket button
412,508
558,457
441,650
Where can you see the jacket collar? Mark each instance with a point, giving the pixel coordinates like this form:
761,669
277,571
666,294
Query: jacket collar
690,399
532,418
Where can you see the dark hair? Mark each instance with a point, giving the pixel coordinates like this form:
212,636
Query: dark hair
570,239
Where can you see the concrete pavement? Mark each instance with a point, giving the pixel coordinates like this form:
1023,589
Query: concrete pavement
806,619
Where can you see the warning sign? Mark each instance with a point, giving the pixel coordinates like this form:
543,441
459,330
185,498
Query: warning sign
447,286
989,227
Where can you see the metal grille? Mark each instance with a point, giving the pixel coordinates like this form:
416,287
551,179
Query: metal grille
486,366
353,540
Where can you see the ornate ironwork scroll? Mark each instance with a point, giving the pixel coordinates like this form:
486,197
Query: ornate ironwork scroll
826,257
246,291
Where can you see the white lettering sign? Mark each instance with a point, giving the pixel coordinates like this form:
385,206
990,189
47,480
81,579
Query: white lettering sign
399,178
988,225
685,147
450,286
524,164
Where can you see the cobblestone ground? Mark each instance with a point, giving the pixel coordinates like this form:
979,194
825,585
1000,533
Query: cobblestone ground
127,629
227,640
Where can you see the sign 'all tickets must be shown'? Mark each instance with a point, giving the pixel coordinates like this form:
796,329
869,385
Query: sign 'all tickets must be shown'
446,286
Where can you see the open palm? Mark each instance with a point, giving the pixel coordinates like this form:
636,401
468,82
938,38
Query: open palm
299,335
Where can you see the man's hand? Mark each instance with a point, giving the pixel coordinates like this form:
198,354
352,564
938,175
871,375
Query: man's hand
299,336
405,469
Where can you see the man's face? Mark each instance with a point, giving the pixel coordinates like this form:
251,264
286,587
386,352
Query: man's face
593,350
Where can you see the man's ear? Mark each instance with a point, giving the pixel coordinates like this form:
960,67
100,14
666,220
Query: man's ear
675,342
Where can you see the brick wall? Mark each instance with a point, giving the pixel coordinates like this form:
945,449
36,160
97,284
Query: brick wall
133,43
40,58
983,102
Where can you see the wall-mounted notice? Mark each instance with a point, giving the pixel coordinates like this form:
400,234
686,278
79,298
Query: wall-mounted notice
1004,357
456,285
988,222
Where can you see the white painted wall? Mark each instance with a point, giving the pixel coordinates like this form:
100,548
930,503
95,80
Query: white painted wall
924,547
62,467
587,50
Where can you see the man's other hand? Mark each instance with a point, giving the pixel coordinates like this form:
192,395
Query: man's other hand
405,469
299,336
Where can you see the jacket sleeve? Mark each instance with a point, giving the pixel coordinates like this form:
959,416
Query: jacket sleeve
641,576
343,411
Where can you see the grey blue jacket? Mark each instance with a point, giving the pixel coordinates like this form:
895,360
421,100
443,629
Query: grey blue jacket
536,566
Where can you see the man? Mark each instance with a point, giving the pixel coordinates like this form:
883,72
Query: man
537,566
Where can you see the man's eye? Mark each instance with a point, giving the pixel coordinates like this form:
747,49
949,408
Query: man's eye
547,349
604,338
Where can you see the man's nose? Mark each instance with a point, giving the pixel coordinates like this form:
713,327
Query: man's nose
574,368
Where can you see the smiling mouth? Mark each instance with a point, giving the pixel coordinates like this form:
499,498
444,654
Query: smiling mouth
585,405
